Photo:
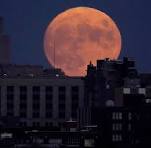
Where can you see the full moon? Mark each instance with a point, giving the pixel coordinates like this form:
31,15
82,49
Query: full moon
80,35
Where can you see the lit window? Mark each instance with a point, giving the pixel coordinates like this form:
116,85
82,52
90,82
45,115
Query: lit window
117,116
113,138
107,86
130,116
120,138
117,127
57,75
113,116
116,137
129,127
120,116
126,90
113,127
148,100
142,91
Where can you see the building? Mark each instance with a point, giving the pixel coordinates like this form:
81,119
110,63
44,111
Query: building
4,45
101,83
35,97
50,139
102,79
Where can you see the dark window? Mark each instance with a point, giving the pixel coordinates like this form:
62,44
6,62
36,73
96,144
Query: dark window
75,89
49,98
23,124
61,114
36,114
23,106
48,114
10,89
23,89
23,114
23,101
75,93
36,102
62,89
36,124
62,107
49,89
36,89
75,101
49,106
36,106
62,101
10,100
10,113
48,124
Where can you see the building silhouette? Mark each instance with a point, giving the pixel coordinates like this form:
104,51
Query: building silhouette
37,97
4,45
119,102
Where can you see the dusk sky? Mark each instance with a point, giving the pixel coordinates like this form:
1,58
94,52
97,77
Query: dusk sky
26,21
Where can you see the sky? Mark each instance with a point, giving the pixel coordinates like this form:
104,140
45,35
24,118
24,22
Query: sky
27,20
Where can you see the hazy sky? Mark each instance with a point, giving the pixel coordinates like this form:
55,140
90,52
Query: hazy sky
26,21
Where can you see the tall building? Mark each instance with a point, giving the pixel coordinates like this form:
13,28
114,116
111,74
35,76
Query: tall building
101,81
119,101
4,45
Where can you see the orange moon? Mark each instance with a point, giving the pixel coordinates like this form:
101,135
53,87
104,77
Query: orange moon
80,35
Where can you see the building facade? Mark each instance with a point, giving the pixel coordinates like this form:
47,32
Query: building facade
39,100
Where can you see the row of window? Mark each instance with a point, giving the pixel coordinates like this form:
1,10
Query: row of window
119,116
118,127
116,137
129,90
36,101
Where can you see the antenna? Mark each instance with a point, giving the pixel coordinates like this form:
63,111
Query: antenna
54,52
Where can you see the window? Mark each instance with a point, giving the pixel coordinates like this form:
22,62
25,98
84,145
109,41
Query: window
36,106
116,137
10,100
61,114
142,91
36,89
129,127
36,114
116,126
126,90
48,124
148,101
62,101
10,89
117,116
49,89
129,116
48,114
36,124
23,124
75,101
62,89
23,89
23,101
36,101
23,114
